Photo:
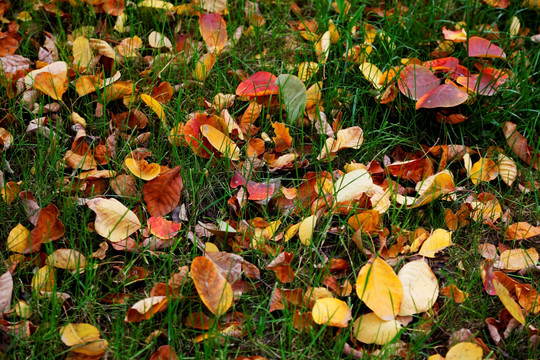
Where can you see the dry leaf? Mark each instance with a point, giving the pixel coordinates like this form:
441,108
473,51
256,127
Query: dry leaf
163,193
331,312
420,287
380,289
439,240
370,329
465,351
214,290
114,221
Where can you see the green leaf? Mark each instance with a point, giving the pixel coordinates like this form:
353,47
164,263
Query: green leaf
294,95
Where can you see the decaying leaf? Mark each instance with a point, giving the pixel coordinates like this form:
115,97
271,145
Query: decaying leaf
214,290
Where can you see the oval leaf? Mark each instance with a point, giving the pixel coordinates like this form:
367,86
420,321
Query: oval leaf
380,289
420,287
294,96
332,312
214,290
114,221
370,329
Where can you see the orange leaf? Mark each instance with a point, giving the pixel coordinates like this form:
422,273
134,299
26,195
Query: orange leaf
54,85
48,228
142,169
214,290
517,259
163,193
163,229
164,352
452,291
480,47
521,230
146,308
214,31
380,289
283,139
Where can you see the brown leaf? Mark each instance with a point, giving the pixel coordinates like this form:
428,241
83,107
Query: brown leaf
518,144
165,352
48,228
521,230
163,193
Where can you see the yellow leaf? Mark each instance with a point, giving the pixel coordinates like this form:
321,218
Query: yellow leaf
517,259
352,185
204,66
114,221
322,47
508,302
158,40
214,290
420,287
93,349
156,107
157,4
18,239
465,351
291,231
82,54
484,170
507,169
78,334
44,279
146,308
306,228
307,69
371,73
380,289
439,240
66,259
332,312
142,169
221,142
370,329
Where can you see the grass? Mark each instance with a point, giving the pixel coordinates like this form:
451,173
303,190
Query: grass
37,164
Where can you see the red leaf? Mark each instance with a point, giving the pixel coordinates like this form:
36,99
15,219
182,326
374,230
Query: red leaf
163,193
416,81
214,31
163,229
259,84
480,47
261,191
447,95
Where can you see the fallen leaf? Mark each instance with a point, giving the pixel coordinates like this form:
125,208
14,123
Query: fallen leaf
221,142
163,229
294,96
480,47
18,239
6,291
162,194
420,287
214,31
370,329
214,290
306,229
331,312
113,220
521,231
142,169
380,289
465,351
415,81
439,240
146,308
517,259
518,144
453,292
156,107
79,334
66,259
446,95
508,302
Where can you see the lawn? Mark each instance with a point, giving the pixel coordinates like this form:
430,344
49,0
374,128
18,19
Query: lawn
269,179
